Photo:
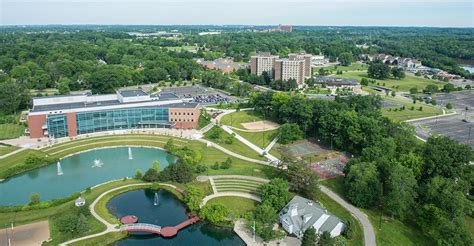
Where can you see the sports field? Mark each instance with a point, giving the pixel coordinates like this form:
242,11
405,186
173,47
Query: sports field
304,148
330,168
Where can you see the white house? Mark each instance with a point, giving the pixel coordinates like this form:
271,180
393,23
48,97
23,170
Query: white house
300,214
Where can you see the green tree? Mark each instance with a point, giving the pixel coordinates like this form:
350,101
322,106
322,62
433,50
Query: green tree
156,165
82,224
13,96
138,174
169,146
309,237
449,106
378,71
400,191
35,199
275,193
193,198
362,184
289,133
325,239
445,157
214,213
21,73
346,58
151,175
227,163
431,89
398,73
414,90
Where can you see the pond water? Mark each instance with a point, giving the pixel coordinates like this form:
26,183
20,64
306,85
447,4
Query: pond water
169,212
468,68
80,171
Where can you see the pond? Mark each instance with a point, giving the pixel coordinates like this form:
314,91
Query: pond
80,171
169,212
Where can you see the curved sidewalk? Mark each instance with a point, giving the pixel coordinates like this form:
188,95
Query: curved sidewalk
110,227
369,235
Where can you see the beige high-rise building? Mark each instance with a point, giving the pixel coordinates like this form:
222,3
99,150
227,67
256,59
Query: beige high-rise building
263,62
296,66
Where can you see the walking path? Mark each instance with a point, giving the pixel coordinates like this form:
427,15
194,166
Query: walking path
270,157
110,227
211,144
369,235
12,153
270,146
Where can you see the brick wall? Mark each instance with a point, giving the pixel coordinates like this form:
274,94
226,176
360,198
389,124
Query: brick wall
185,118
35,124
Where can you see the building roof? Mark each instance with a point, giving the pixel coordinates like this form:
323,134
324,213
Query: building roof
132,93
335,81
308,211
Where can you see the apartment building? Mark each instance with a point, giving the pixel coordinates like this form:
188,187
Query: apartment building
263,62
286,69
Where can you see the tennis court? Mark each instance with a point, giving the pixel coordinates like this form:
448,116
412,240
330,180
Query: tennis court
330,168
304,148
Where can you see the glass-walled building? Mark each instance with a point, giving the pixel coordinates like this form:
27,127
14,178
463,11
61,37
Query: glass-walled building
68,116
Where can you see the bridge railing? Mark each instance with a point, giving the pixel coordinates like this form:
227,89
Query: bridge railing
140,226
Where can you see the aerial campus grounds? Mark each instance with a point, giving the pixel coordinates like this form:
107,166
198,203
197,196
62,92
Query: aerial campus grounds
458,126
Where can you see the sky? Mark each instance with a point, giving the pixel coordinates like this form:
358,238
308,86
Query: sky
436,13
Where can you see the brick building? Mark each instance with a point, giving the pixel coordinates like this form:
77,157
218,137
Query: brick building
71,115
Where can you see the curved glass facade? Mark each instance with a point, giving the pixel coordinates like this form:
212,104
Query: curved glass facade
57,125
104,120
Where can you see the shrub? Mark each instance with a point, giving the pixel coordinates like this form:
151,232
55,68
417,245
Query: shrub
138,174
35,199
151,175
226,164
201,168
177,172
215,213
215,166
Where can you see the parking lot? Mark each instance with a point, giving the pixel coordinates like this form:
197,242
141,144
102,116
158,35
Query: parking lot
459,127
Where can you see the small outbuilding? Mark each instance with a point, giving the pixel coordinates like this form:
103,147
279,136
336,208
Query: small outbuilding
80,202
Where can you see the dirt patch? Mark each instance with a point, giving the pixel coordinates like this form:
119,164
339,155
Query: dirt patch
260,125
30,234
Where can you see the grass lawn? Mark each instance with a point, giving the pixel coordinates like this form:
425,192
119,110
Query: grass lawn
352,67
105,239
9,131
16,160
238,206
236,146
203,120
237,118
398,85
261,139
407,114
5,149
393,232
344,215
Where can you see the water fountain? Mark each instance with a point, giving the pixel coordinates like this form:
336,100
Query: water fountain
97,163
155,202
130,156
60,170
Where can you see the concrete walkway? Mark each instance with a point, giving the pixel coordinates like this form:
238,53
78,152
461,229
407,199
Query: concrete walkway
211,144
369,235
110,227
270,146
12,153
259,150
247,237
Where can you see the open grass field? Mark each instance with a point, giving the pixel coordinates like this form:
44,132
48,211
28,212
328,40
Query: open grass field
105,239
352,67
408,114
393,231
9,131
398,85
261,139
236,146
236,119
5,149
237,205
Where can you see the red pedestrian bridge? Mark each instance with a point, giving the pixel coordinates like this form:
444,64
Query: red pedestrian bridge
169,231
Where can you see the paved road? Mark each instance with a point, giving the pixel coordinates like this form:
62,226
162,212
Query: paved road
369,235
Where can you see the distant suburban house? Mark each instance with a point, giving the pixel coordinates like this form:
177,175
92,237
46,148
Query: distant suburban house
301,213
226,65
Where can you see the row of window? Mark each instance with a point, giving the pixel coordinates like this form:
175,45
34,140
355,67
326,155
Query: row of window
184,113
184,120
